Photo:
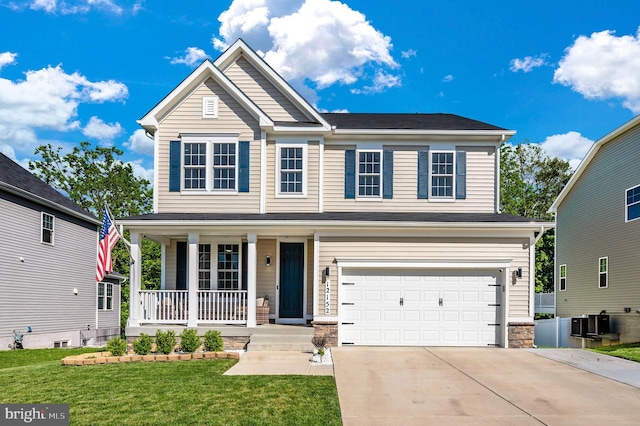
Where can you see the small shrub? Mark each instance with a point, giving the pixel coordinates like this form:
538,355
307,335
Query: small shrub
319,342
117,346
142,345
165,341
189,340
213,341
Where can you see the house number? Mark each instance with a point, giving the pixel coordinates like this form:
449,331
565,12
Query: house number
327,297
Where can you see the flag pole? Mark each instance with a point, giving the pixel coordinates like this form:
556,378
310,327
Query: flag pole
119,231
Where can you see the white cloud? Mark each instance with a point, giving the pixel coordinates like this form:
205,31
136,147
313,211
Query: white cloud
447,78
49,99
528,63
46,5
71,7
603,66
570,146
193,56
322,41
7,58
140,171
140,143
98,129
409,53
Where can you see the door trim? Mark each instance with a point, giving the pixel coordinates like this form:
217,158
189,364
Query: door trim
303,319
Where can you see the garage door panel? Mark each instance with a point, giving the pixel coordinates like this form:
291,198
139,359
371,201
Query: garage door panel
469,305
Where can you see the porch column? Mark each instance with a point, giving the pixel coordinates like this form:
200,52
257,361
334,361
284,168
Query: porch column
252,264
192,279
135,274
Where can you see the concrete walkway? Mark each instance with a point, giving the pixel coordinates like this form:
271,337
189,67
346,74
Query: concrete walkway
277,363
475,386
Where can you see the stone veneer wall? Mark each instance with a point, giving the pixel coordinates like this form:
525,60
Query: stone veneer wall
521,334
328,329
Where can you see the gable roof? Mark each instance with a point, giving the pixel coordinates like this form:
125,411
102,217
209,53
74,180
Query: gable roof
634,122
15,179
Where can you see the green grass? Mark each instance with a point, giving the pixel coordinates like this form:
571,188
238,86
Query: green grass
630,351
22,357
167,393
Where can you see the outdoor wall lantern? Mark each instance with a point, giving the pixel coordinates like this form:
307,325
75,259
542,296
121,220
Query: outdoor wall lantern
327,271
268,260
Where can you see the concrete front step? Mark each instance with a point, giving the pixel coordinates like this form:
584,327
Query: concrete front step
281,342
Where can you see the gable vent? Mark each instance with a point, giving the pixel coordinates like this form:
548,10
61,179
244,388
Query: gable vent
210,106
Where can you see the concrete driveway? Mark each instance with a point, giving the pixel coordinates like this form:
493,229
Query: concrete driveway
474,386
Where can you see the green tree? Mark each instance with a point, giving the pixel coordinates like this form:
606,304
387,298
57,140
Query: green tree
91,176
530,181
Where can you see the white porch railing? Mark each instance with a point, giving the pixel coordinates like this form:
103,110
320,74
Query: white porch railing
214,306
545,303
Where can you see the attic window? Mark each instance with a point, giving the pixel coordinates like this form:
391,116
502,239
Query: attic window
210,107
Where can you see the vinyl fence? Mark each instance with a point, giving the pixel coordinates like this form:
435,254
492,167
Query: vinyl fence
553,333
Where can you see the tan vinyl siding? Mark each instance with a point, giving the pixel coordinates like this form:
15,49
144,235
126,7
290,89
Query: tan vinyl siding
279,204
428,250
266,275
264,94
37,280
187,118
481,181
591,224
171,265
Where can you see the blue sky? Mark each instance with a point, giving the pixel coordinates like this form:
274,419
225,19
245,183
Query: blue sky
560,73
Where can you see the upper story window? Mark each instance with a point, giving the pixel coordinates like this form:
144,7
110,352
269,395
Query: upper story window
46,234
442,174
209,164
563,277
105,296
633,203
210,107
603,272
369,174
195,165
224,166
292,170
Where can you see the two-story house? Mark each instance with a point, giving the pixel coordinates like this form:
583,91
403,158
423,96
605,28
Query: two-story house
377,229
48,249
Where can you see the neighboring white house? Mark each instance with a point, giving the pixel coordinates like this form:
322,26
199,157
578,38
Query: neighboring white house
598,239
377,229
48,248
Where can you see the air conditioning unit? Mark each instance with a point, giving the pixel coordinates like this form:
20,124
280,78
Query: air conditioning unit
598,324
579,326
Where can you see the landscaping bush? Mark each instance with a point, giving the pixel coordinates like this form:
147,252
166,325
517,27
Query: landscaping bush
165,341
117,346
213,341
189,340
142,345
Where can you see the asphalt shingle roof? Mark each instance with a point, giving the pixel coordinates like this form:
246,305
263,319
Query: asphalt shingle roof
12,174
405,121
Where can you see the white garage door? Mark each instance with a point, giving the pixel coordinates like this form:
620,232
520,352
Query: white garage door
419,308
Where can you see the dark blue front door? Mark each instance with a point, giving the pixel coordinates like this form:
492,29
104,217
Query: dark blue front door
291,279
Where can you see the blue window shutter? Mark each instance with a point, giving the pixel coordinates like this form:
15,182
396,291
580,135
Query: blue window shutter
181,265
243,172
174,166
387,174
461,175
423,174
350,174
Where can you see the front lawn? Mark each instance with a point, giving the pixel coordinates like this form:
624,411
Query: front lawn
630,351
22,357
167,393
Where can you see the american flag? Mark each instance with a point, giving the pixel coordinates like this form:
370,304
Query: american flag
108,238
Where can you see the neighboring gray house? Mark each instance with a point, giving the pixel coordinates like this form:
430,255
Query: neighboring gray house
377,229
48,248
598,238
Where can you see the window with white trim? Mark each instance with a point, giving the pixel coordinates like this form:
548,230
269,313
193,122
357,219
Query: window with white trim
563,277
204,266
210,164
369,176
47,226
291,170
105,296
228,266
633,203
209,107
603,272
442,174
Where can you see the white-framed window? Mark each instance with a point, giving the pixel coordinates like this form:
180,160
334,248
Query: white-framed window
603,272
632,203
47,228
292,169
105,296
224,273
442,177
563,278
210,164
369,174
209,107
